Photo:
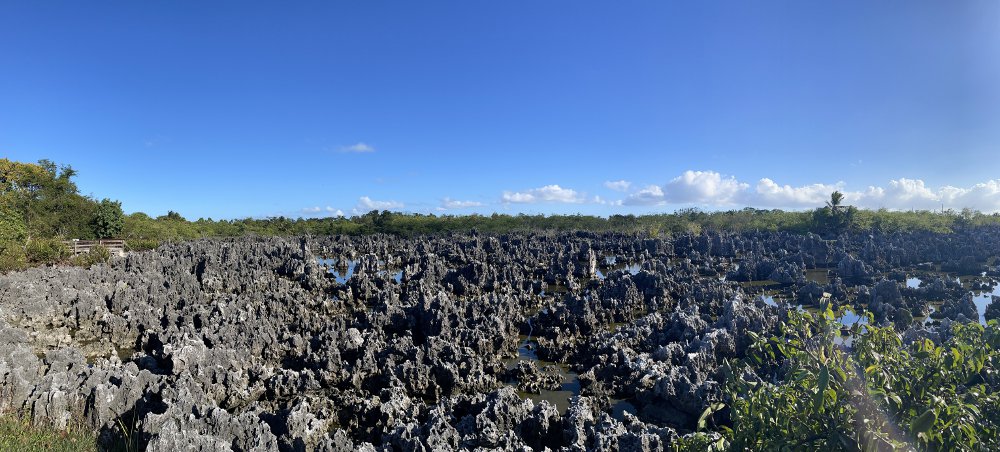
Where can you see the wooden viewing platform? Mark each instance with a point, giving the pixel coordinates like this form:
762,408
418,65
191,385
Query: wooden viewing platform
84,246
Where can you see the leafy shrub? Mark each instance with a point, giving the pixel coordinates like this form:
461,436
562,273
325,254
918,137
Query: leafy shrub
46,251
12,257
800,391
141,244
97,255
11,226
109,220
945,395
700,442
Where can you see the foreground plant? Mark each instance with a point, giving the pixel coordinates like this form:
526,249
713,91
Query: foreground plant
800,390
945,396
795,391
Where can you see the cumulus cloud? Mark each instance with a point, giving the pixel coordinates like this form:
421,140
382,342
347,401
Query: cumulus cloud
915,194
713,189
911,193
548,193
704,187
366,204
359,147
618,185
770,194
651,195
448,203
983,196
906,194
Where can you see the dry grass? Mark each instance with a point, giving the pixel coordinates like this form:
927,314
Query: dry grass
17,434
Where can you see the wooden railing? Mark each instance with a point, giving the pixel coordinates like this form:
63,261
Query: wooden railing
84,246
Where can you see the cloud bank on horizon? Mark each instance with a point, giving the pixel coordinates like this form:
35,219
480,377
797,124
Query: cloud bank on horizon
714,191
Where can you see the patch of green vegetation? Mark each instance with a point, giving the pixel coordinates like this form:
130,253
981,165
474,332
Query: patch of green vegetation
97,255
18,434
41,206
139,226
799,390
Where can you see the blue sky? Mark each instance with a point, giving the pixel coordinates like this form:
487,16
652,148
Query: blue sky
235,109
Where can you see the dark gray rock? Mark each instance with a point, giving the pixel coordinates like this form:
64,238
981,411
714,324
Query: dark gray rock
412,343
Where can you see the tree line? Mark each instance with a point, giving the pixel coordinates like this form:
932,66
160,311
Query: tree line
40,206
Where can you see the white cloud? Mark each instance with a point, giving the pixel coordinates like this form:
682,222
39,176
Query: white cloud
899,194
359,147
618,185
983,196
902,194
704,187
651,195
448,203
548,193
330,211
915,194
770,194
911,193
517,197
606,202
712,189
366,204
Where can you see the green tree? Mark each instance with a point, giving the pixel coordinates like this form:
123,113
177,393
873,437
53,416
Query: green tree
11,226
835,199
109,220
12,238
834,218
46,198
171,216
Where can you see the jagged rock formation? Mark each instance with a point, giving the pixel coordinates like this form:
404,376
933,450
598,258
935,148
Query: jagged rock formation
386,343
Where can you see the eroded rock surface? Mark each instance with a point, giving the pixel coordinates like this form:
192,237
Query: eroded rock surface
386,343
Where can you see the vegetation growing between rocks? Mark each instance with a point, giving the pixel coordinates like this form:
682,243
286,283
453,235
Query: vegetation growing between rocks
20,434
799,390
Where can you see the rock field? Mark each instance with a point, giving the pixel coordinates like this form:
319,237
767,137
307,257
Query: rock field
525,341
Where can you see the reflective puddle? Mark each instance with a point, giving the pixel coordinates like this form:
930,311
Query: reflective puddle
570,382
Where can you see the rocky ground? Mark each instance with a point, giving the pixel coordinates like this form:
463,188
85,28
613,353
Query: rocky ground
524,341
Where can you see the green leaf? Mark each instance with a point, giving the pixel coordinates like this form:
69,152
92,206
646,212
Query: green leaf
712,408
897,400
823,381
924,422
956,356
840,374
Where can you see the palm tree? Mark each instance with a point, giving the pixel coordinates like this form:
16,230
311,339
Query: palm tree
835,200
